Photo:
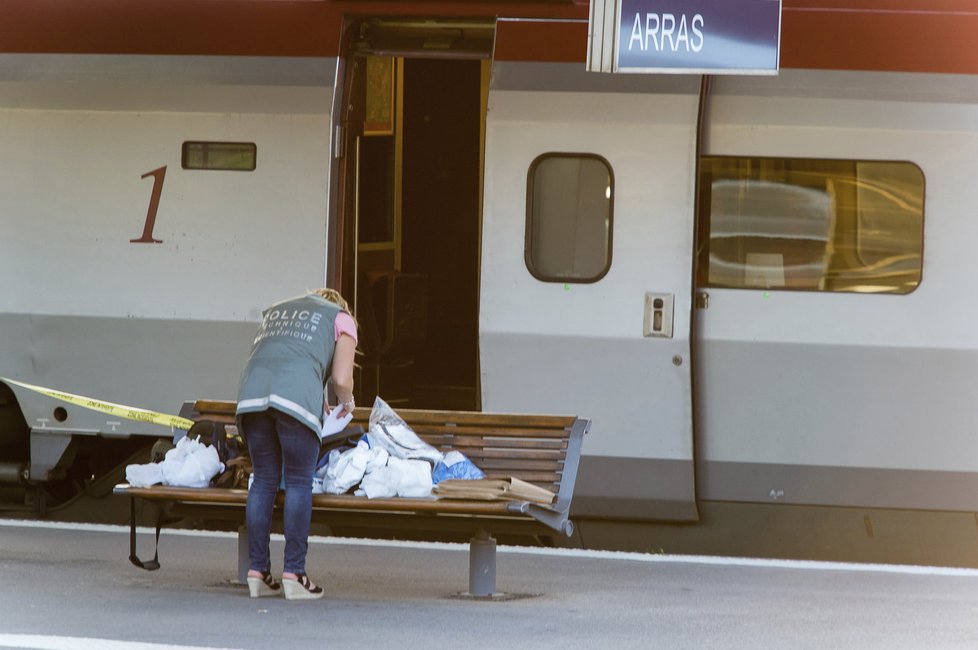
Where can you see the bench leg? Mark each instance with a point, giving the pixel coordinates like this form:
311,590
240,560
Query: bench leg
244,558
482,565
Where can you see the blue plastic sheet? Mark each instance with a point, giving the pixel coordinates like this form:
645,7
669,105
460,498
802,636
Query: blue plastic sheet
455,465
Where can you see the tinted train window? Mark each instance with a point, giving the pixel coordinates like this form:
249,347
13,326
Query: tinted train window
569,217
229,156
821,225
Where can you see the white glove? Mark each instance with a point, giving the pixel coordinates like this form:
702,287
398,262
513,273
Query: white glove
334,423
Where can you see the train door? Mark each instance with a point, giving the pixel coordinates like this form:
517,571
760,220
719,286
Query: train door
410,140
813,365
586,285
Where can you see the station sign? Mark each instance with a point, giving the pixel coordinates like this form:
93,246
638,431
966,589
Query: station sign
696,36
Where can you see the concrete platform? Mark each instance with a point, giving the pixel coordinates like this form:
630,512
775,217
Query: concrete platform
71,586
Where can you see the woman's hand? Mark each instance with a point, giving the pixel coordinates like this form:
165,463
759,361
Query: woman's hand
345,408
336,421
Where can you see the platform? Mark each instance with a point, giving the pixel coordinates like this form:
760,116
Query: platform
71,586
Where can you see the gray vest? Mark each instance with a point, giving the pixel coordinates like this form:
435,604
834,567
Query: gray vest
290,360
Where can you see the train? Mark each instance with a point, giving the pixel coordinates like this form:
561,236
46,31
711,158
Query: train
754,285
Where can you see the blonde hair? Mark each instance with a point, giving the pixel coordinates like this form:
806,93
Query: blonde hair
334,297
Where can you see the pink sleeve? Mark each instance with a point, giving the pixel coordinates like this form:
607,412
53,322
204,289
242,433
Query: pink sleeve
345,324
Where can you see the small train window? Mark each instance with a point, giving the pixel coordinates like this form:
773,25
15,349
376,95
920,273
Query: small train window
228,156
569,199
804,224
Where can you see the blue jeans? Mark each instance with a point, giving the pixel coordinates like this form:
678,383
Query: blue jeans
278,442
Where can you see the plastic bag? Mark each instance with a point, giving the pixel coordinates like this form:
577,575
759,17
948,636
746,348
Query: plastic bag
388,431
144,475
456,465
190,464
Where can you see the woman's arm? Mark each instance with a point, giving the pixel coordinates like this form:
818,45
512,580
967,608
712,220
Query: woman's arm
342,375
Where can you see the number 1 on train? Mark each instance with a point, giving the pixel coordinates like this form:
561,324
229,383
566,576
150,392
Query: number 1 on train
154,203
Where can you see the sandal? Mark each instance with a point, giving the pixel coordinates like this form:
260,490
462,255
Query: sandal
266,585
302,588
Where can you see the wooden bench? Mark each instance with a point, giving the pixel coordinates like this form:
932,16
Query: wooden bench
541,449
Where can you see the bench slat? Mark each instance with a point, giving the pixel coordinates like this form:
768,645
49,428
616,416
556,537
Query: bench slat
486,430
486,442
495,448
475,418
549,480
217,407
208,408
321,501
553,457
515,465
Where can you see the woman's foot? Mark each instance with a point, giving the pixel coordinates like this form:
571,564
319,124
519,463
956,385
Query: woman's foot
298,586
261,584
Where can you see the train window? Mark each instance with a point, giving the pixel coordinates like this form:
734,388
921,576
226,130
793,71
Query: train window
229,156
569,217
801,224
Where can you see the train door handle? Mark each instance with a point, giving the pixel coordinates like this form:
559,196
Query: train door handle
658,315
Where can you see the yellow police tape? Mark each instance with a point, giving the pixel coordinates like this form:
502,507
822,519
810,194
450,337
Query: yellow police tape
117,410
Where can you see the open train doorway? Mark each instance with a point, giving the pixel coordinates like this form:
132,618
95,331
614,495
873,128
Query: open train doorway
409,208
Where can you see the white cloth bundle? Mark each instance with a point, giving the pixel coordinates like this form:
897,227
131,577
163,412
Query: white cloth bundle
390,460
401,478
378,473
346,469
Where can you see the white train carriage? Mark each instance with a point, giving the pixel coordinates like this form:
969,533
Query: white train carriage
93,163
728,275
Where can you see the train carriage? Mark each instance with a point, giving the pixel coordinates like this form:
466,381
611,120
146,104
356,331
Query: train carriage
755,286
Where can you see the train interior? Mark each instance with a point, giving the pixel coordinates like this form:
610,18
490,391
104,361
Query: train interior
409,216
